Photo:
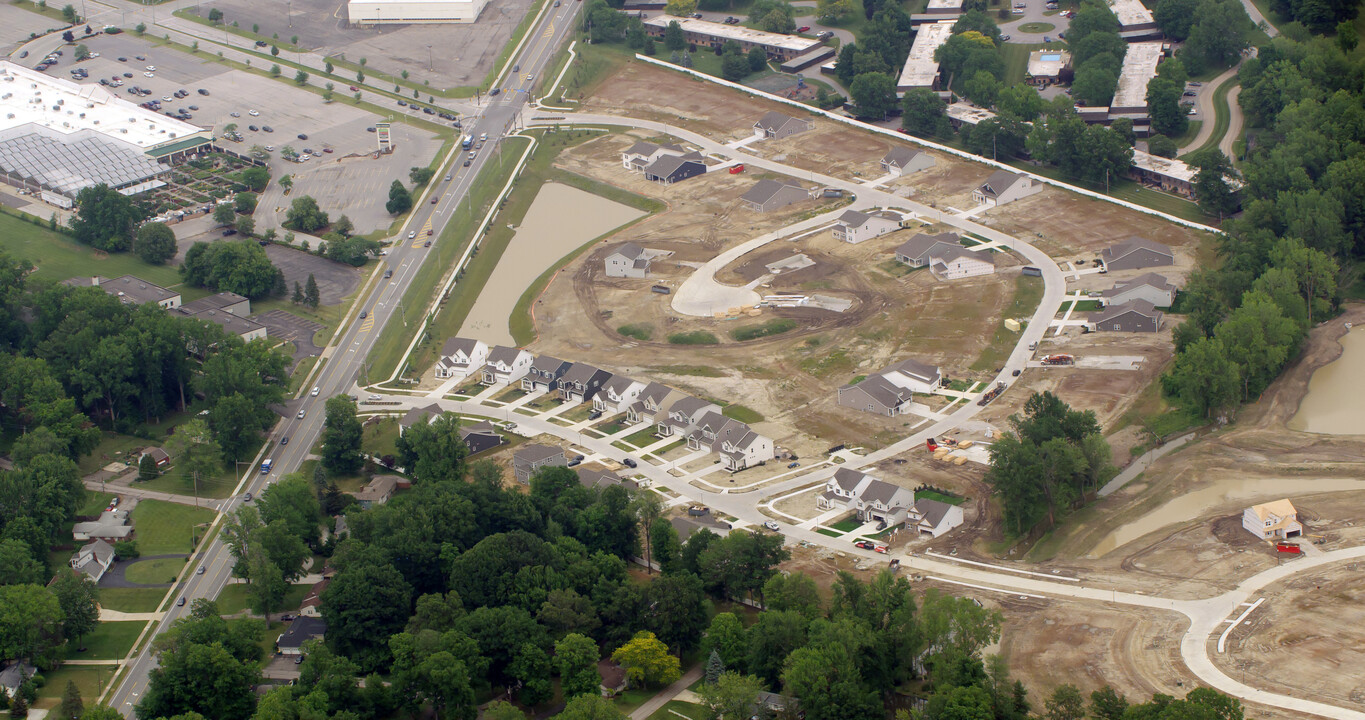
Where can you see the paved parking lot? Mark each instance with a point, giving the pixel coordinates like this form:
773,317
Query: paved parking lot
17,23
335,280
359,191
286,326
460,55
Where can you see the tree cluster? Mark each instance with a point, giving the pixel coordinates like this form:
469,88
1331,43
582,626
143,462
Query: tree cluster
879,55
1215,32
105,219
1093,154
1046,466
239,266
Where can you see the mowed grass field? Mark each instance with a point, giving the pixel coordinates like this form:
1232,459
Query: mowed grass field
57,257
164,528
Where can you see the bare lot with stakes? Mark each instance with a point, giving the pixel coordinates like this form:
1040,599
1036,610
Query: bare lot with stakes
460,55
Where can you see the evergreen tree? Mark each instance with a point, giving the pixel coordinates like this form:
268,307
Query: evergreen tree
146,468
18,707
298,293
310,292
72,706
714,668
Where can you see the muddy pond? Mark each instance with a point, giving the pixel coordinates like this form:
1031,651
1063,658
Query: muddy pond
560,219
1333,404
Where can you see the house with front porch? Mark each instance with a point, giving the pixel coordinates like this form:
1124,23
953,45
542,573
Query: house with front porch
684,414
617,394
460,358
506,365
582,382
544,374
871,499
648,407
738,445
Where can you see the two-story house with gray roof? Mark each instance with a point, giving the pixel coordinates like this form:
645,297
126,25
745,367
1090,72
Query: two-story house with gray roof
506,365
917,251
461,357
684,414
544,374
873,500
93,560
529,459
637,157
649,406
627,261
617,394
1004,187
581,382
738,445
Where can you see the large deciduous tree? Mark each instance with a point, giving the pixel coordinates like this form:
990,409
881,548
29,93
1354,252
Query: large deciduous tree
105,218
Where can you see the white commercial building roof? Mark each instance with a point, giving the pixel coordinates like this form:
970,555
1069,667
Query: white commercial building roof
920,66
968,114
1130,13
66,164
1168,167
28,96
1139,67
942,6
793,43
369,12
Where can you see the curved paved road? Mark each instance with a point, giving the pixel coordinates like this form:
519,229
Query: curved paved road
1203,103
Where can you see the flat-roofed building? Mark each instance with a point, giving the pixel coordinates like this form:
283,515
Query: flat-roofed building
961,113
937,10
244,328
1169,174
1045,67
227,302
921,69
1135,20
1139,67
130,289
806,59
714,35
412,12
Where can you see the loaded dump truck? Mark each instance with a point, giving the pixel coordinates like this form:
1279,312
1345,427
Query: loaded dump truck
1059,360
991,394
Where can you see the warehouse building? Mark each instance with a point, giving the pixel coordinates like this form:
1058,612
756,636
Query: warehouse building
1130,97
411,12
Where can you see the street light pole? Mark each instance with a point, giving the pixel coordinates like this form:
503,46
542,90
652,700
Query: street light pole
429,62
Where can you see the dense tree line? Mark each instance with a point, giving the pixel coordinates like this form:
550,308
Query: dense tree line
1097,54
1052,459
1283,259
238,266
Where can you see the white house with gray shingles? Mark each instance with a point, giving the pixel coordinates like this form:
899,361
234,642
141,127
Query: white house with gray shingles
14,675
1132,316
418,415
768,194
738,445
855,227
544,374
684,414
461,357
529,459
902,160
1150,287
872,499
627,260
93,560
649,406
1004,187
775,125
933,517
918,250
582,382
955,263
617,394
506,365
639,156
1136,253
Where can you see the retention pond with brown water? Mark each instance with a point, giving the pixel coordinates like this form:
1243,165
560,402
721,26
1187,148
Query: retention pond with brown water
1333,404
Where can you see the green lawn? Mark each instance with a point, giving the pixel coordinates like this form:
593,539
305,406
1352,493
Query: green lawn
57,257
173,481
742,413
132,600
164,527
847,525
1015,56
1222,117
935,495
110,641
381,438
1028,292
233,598
641,438
673,708
95,503
155,572
89,681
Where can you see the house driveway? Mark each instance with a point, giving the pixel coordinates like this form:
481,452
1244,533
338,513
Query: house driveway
115,577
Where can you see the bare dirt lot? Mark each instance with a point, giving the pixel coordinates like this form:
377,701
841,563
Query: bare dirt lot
460,55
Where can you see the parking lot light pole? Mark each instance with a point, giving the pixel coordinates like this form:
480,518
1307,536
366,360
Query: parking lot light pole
429,58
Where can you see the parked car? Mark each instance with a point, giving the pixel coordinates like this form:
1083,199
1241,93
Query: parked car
629,462
594,414
803,28
577,460
863,544
772,526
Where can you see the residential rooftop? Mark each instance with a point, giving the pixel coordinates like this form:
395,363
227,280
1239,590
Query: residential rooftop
920,66
792,43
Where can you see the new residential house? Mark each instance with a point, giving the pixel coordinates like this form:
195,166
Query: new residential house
581,382
876,394
901,160
774,125
93,560
544,374
670,169
1004,187
529,459
1150,287
1277,519
461,357
628,260
418,415
684,414
933,517
637,157
767,195
1132,316
873,500
913,375
855,227
737,444
617,394
1136,253
958,262
648,407
480,436
506,365
602,479
918,250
